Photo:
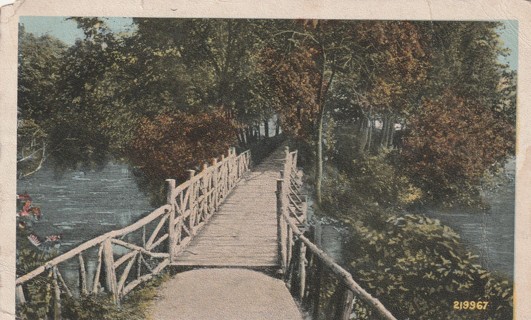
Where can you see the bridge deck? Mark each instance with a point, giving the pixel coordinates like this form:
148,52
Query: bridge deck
244,231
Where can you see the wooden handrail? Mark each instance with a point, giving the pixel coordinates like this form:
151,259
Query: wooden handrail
290,235
199,197
91,243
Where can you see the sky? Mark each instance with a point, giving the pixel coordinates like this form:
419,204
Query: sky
67,31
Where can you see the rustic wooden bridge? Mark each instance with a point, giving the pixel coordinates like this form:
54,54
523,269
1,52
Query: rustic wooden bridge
225,218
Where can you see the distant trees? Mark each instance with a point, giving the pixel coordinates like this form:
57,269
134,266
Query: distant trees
377,76
81,105
463,124
168,144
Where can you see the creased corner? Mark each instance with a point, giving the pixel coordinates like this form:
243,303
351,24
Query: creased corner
8,10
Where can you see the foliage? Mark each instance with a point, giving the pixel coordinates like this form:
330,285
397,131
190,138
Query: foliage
451,143
414,265
29,257
366,181
418,268
39,61
135,306
170,144
294,77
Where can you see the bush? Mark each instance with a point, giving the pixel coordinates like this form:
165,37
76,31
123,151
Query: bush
418,268
376,183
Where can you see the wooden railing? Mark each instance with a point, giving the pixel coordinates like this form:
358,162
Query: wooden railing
324,289
127,257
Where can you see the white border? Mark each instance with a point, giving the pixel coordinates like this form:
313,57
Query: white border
342,9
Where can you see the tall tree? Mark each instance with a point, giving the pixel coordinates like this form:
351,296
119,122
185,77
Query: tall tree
309,56
39,63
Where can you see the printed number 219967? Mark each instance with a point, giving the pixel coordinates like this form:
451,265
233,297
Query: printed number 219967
470,305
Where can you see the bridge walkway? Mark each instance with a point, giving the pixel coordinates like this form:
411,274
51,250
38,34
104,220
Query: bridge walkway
243,233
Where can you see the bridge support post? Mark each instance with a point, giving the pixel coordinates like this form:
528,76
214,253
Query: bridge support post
172,236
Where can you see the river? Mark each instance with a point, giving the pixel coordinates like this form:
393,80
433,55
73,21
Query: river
82,205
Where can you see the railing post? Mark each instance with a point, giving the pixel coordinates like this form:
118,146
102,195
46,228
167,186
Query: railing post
215,183
224,174
280,231
172,235
192,203
344,306
302,270
304,206
287,163
57,296
110,272
19,294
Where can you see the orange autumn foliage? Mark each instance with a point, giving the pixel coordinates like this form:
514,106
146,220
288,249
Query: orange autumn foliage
169,144
294,78
452,142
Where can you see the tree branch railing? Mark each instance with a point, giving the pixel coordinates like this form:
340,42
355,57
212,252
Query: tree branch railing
122,259
324,289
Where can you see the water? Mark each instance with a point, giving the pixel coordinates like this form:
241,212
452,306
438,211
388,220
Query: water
83,205
489,234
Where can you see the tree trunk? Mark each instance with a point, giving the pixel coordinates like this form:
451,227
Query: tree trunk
364,134
391,132
249,134
370,125
319,159
266,128
385,130
243,138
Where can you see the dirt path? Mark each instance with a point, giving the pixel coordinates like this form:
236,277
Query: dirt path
224,294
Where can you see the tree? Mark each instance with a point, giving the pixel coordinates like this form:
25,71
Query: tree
381,59
169,144
452,142
38,75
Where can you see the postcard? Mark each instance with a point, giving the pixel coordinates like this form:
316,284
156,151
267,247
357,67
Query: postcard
273,160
